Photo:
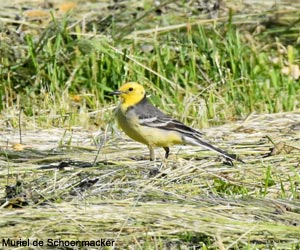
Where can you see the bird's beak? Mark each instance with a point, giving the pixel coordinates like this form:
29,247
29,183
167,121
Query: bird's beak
117,92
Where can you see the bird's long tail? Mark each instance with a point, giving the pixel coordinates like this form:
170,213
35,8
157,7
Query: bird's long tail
198,142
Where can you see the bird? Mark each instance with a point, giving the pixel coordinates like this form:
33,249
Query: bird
145,123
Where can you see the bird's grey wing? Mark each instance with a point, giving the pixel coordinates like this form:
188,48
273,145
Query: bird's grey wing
151,116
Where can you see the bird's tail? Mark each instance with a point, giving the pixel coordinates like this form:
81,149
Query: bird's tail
198,142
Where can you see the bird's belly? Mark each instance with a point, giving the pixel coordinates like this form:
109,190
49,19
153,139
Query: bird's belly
154,137
157,137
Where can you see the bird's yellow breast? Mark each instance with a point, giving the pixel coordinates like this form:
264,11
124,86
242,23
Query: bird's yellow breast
129,124
154,137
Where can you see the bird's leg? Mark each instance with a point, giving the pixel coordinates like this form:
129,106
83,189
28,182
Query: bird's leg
167,149
152,155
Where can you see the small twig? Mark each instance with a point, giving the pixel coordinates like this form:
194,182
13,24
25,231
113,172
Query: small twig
102,143
270,140
20,125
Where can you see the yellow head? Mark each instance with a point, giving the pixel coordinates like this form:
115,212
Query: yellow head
130,93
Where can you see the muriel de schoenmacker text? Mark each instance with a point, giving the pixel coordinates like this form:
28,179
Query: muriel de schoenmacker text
56,243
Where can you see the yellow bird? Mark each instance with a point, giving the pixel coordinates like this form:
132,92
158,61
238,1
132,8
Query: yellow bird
144,123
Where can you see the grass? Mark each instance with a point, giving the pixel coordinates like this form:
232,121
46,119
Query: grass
205,72
227,76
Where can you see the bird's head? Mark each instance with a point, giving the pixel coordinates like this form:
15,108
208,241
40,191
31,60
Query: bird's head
130,93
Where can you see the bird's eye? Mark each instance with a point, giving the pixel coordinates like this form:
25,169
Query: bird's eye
130,89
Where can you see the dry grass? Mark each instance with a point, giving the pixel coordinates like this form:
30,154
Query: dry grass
124,198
